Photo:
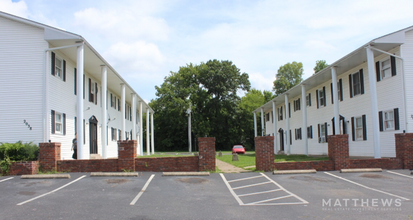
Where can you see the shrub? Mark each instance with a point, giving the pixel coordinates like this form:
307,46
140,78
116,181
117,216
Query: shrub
19,151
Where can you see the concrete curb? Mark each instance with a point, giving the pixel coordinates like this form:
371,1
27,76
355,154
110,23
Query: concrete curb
185,174
277,172
361,170
114,174
46,176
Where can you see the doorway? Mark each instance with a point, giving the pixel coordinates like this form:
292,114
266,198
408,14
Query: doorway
93,135
281,134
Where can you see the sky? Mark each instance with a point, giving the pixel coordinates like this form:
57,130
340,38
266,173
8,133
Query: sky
144,40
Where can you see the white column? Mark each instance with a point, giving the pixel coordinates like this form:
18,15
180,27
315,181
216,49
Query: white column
373,99
262,121
304,109
82,151
336,102
104,119
152,135
255,125
148,141
287,124
189,130
274,126
133,136
140,128
123,107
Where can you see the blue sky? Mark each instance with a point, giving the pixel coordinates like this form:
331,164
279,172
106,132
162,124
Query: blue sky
145,40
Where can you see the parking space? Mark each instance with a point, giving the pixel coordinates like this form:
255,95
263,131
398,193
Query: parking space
218,196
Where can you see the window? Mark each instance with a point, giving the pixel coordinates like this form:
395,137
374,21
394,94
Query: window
322,133
356,81
310,132
267,117
58,67
389,120
58,123
112,101
120,134
339,91
126,135
321,97
386,68
118,105
297,105
359,128
280,113
114,134
308,99
128,112
298,135
91,91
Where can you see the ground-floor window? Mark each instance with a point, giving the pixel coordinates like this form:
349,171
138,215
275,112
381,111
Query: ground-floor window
58,123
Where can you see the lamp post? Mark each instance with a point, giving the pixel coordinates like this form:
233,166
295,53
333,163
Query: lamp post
189,128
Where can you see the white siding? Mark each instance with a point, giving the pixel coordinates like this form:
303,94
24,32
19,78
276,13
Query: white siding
407,53
21,81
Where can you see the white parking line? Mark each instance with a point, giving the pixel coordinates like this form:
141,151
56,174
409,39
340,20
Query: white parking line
230,189
400,174
302,200
248,178
52,191
267,200
6,179
358,184
257,193
246,186
143,190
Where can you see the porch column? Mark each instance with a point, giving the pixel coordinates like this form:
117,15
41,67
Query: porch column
123,107
287,123
133,136
104,119
304,108
262,121
140,129
82,151
336,102
152,135
373,98
148,140
274,126
255,124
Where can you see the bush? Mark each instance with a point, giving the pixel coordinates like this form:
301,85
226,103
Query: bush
19,151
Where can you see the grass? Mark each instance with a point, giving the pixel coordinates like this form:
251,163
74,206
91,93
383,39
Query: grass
167,155
297,158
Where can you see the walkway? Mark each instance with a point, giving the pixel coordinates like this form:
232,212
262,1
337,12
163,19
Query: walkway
228,168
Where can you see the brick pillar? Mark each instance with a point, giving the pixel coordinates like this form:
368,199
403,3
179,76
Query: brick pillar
127,155
338,151
206,147
264,153
404,149
49,154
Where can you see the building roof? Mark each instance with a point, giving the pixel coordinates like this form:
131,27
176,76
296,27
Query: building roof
344,64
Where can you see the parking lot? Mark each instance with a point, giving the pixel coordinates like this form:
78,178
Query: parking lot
324,195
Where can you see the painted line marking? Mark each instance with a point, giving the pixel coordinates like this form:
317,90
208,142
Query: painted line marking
143,190
267,200
366,186
289,203
257,193
246,186
400,174
52,191
6,179
230,189
248,178
299,198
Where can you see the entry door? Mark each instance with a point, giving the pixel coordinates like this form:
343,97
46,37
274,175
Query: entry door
281,134
93,135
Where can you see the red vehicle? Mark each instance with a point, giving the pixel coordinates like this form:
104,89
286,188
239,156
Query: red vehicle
239,149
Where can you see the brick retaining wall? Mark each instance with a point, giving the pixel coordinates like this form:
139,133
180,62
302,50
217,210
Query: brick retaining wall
167,164
24,167
95,165
323,165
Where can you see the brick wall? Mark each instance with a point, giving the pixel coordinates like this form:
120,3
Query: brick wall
338,151
24,167
404,149
49,153
206,146
167,164
96,165
324,165
384,163
127,155
264,153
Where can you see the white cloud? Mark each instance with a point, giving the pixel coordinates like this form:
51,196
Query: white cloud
262,82
16,8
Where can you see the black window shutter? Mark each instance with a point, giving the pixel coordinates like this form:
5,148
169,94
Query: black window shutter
334,127
311,131
83,86
326,128
289,110
340,85
381,120
299,104
84,131
111,97
75,81
350,79
295,106
396,119
118,104
309,99
75,125
364,127
316,94
90,91
332,97
325,98
361,81
378,75
53,65
295,134
291,138
319,135
353,130
96,93
64,71
64,124
53,122
393,65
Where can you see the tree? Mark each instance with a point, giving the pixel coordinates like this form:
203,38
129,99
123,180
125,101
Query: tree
287,77
320,65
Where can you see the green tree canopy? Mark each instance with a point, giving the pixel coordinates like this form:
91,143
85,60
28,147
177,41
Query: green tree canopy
320,65
288,76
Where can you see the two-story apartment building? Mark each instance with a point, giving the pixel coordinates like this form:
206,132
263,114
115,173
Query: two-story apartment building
54,84
366,94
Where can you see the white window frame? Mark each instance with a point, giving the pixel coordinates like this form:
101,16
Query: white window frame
280,113
358,85
267,117
58,124
113,101
307,100
58,69
297,105
385,69
358,121
323,133
114,134
321,98
388,120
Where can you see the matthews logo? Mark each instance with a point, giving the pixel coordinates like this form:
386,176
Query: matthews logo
361,204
